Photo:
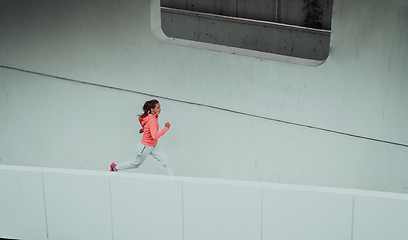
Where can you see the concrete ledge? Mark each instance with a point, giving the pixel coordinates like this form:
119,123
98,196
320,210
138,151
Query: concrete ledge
46,203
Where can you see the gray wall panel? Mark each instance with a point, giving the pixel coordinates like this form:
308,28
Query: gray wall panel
179,4
221,7
257,9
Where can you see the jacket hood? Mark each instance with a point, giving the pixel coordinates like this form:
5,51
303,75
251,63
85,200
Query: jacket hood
144,120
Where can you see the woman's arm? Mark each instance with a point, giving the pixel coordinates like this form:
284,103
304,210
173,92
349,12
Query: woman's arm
154,127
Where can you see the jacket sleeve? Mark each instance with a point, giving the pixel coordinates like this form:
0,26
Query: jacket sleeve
154,127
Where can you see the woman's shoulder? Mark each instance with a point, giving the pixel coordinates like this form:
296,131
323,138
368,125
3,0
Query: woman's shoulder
147,118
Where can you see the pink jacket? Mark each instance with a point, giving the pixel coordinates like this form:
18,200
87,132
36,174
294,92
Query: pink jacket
150,126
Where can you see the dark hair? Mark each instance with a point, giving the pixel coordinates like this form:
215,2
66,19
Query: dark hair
148,106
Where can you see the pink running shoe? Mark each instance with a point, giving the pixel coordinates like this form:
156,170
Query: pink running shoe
113,167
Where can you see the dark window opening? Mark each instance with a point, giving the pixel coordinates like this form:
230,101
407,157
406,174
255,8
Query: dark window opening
292,28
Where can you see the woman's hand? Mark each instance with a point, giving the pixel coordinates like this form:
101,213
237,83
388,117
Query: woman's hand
167,125
141,130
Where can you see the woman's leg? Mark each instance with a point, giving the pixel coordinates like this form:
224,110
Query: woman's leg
142,151
162,157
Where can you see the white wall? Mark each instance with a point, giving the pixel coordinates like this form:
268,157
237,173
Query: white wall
78,204
360,90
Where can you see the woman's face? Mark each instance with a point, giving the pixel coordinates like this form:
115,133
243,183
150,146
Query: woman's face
156,110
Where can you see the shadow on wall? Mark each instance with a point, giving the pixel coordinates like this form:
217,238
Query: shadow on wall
299,29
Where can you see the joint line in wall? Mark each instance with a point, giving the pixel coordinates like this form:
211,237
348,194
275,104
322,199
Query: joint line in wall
262,211
352,217
182,208
45,206
111,210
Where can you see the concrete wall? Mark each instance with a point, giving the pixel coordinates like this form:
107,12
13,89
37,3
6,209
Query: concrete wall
233,117
43,203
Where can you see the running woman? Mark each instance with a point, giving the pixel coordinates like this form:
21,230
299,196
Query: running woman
148,144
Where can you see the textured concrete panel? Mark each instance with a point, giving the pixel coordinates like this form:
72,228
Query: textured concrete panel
144,208
379,218
299,214
220,7
218,211
290,12
293,12
179,4
257,9
78,205
22,212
